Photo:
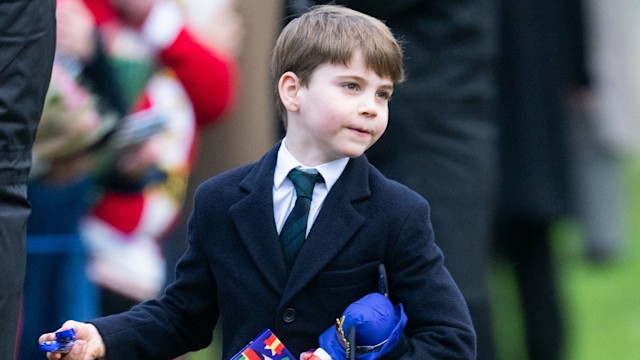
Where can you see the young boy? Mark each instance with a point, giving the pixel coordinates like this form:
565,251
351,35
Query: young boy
335,69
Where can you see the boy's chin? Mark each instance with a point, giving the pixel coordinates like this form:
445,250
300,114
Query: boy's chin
353,154
354,151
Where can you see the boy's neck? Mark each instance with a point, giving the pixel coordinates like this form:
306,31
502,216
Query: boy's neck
303,158
306,160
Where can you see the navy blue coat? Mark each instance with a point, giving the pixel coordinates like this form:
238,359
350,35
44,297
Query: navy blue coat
235,271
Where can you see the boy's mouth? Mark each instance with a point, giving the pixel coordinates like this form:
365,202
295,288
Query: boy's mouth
361,131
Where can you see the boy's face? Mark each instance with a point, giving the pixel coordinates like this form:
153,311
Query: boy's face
341,112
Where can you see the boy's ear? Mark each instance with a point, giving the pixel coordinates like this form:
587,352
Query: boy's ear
288,87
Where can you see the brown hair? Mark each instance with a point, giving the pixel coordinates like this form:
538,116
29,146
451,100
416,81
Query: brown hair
332,33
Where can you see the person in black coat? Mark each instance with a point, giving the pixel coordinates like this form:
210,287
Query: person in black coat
540,64
27,43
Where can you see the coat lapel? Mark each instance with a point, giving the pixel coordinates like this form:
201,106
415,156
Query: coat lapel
254,221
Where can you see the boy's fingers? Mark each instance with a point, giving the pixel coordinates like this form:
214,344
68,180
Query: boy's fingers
306,355
54,356
46,337
69,324
78,351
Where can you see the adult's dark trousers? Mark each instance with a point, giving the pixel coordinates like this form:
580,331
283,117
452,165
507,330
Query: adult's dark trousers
27,46
526,243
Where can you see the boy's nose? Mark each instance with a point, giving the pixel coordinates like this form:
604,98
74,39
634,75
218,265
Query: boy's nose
368,108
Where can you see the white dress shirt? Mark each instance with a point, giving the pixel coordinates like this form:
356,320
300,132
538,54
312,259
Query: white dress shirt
284,194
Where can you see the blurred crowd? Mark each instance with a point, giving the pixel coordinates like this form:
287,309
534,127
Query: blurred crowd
133,84
515,115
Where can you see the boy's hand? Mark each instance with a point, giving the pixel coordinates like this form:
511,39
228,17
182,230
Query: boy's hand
308,356
318,354
88,344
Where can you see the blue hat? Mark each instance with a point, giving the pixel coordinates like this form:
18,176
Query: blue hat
378,327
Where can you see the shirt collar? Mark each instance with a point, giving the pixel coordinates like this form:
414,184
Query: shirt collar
330,171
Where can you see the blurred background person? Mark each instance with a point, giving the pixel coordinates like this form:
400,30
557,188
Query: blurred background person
218,25
441,137
613,57
170,78
605,125
541,63
81,137
27,40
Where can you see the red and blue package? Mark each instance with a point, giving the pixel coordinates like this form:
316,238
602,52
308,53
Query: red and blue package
267,343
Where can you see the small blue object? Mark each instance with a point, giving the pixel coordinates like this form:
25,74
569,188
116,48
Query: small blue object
63,342
378,326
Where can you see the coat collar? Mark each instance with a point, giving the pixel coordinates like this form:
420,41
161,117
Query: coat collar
336,223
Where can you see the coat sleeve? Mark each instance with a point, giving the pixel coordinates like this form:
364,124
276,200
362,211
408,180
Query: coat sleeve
439,325
180,321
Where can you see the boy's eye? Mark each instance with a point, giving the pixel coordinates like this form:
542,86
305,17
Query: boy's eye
386,95
351,86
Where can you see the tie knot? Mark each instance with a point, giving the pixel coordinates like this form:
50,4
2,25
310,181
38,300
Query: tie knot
304,182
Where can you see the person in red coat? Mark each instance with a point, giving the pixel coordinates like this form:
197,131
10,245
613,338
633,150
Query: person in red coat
170,74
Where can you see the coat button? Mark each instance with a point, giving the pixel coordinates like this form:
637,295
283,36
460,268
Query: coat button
289,315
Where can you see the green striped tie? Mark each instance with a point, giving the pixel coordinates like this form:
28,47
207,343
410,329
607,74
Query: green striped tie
295,227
